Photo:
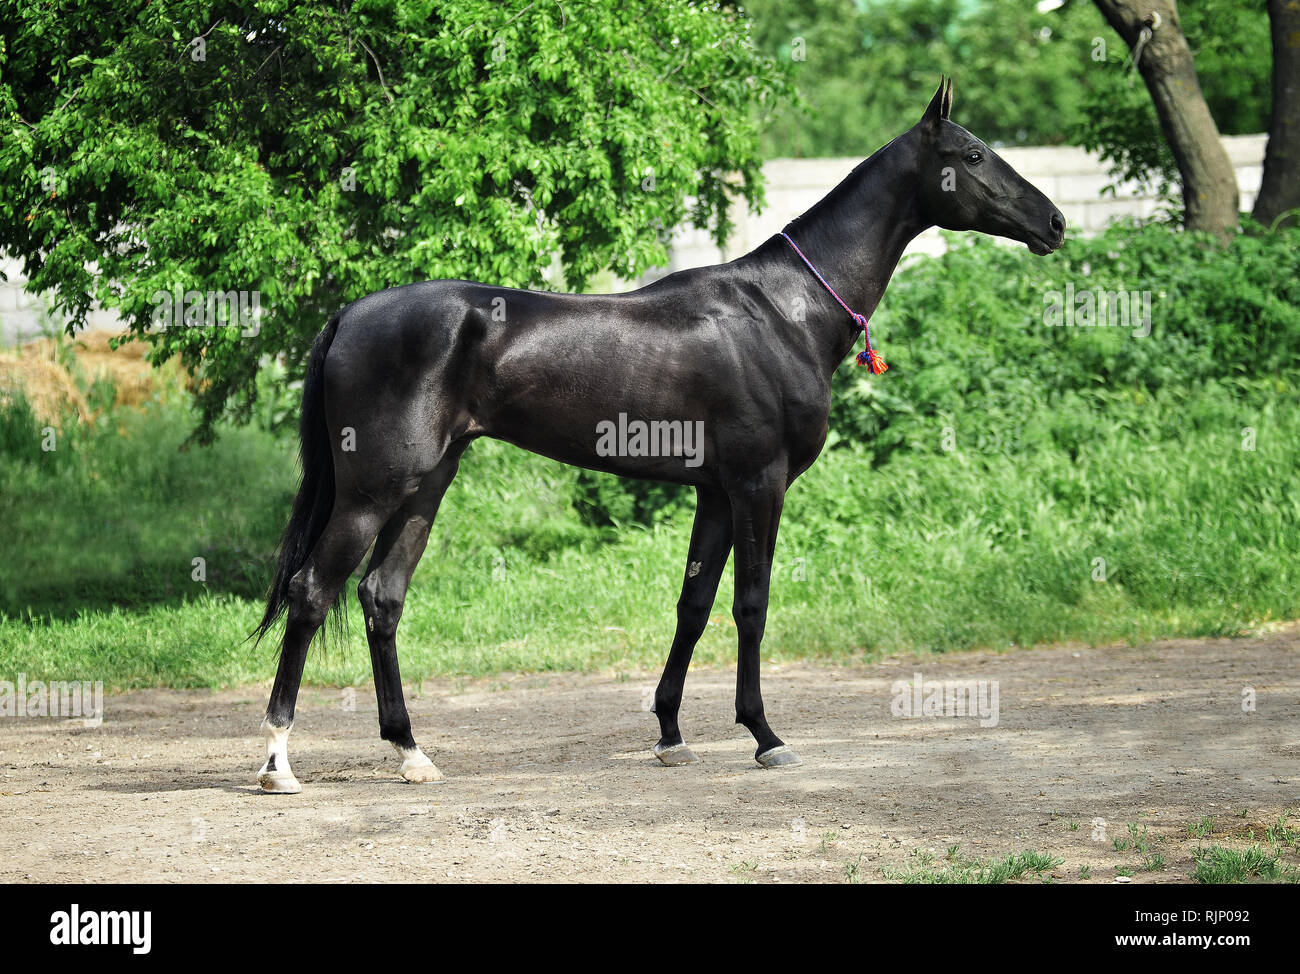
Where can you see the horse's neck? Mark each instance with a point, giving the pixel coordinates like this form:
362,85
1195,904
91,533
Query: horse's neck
857,233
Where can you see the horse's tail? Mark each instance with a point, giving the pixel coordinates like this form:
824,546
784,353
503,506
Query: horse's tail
315,500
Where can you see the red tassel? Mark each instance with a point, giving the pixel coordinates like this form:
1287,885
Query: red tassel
869,356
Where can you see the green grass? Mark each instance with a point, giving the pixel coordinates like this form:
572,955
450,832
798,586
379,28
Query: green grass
959,870
1097,489
1154,862
1282,832
1251,863
1137,840
941,555
1218,864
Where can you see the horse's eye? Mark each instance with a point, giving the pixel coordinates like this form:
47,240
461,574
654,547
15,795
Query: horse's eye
973,157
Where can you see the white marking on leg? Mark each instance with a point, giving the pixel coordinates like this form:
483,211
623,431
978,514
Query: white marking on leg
276,777
416,766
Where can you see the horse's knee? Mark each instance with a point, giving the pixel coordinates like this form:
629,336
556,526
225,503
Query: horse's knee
750,612
381,604
693,615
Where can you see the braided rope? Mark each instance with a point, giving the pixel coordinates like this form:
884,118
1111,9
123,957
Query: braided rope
868,356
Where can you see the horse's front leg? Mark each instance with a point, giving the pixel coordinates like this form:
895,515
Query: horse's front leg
756,515
710,545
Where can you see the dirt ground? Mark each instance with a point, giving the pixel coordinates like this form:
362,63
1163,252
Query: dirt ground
550,777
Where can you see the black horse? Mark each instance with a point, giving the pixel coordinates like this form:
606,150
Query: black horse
403,380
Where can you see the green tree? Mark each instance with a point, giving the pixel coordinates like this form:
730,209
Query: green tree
315,153
1023,77
1278,203
1118,119
1163,56
861,66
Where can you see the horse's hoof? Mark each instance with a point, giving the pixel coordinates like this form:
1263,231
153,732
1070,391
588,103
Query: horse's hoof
417,768
421,774
780,756
675,755
278,782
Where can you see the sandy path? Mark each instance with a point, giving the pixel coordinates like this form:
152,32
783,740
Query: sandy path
550,777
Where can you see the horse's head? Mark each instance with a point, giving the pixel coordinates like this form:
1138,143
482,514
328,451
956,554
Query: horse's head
965,185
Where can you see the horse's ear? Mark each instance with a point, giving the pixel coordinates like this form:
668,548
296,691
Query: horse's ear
947,101
934,111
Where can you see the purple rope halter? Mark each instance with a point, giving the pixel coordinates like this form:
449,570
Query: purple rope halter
868,356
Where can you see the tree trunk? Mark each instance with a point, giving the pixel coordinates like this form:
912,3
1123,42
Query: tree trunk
1280,190
1209,183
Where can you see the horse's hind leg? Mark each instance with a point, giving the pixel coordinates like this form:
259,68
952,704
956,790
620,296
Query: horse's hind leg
710,545
312,591
382,593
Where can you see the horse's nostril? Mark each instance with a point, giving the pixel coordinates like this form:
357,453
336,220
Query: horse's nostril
1057,223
